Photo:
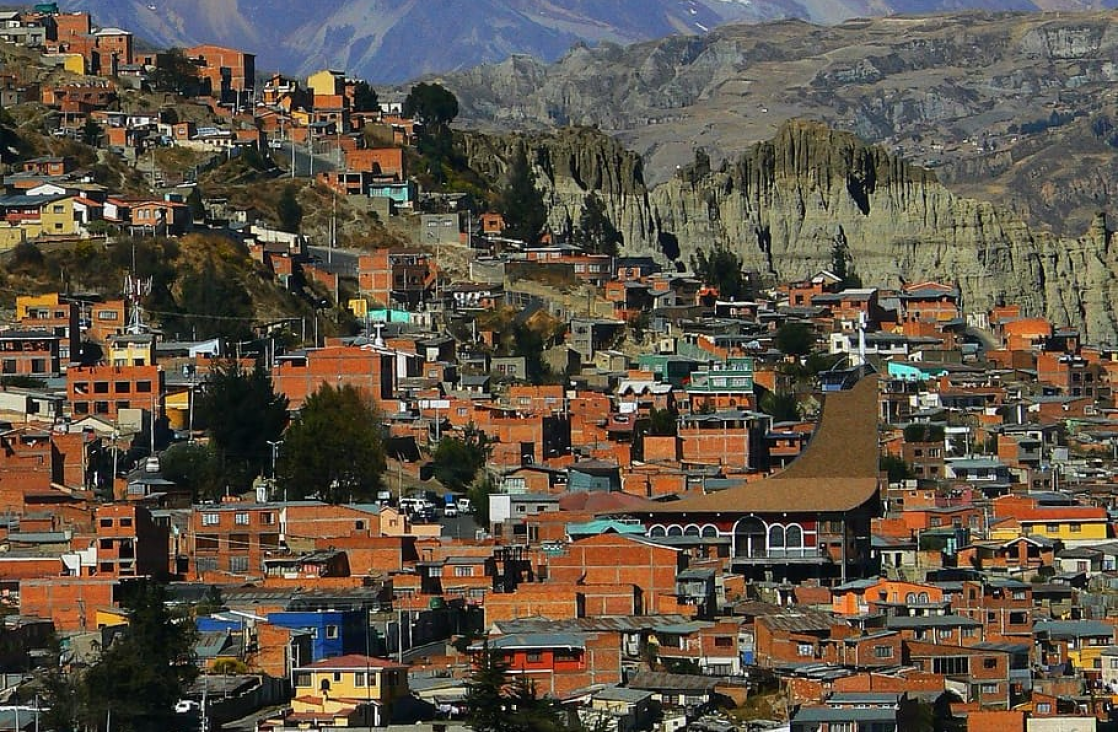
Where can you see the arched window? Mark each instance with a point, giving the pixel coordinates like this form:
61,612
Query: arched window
691,530
675,531
910,598
749,537
657,530
794,536
776,537
922,597
710,530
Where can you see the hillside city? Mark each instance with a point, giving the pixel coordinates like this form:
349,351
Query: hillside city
471,472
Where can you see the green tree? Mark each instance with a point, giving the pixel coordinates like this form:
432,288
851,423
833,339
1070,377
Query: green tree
431,104
91,132
595,232
213,302
499,703
365,98
458,460
521,203
195,466
485,692
289,211
196,204
143,672
662,422
720,268
479,494
334,450
175,73
795,339
842,265
782,406
895,468
241,413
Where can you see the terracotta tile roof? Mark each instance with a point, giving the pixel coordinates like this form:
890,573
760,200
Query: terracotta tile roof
838,471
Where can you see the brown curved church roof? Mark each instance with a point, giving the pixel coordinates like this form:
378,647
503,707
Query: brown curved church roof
838,471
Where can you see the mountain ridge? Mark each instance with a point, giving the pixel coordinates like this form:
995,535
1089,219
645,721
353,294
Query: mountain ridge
391,41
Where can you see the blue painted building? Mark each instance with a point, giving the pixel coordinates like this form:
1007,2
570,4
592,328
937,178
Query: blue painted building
333,632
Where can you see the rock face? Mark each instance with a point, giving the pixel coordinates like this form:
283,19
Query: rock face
781,203
995,102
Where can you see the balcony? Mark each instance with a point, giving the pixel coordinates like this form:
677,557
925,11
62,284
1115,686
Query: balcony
798,555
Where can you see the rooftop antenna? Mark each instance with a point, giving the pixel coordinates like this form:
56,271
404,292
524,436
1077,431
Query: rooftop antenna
135,290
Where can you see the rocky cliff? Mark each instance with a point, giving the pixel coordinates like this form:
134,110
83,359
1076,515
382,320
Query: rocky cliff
1002,105
781,203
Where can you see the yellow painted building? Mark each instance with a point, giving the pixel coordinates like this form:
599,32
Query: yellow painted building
1069,531
326,83
347,691
11,236
57,218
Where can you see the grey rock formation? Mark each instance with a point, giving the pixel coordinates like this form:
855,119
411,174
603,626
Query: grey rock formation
779,204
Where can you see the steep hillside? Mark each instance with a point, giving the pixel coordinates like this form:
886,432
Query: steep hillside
781,203
394,40
979,97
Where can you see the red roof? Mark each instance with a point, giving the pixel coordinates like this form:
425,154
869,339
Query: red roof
352,662
1061,513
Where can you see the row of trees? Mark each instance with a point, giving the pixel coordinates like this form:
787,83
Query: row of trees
138,677
333,450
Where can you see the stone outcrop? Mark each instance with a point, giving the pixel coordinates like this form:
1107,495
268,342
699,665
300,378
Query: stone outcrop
781,203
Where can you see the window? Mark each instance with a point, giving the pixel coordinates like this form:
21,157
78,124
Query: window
805,649
463,571
206,542
359,679
1052,528
211,519
359,525
241,518
534,657
951,665
723,641
883,651
1044,708
238,564
1075,528
123,387
125,522
332,632
106,523
337,676
1019,595
38,366
969,632
989,688
100,387
989,663
944,633
144,387
205,564
106,543
267,518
